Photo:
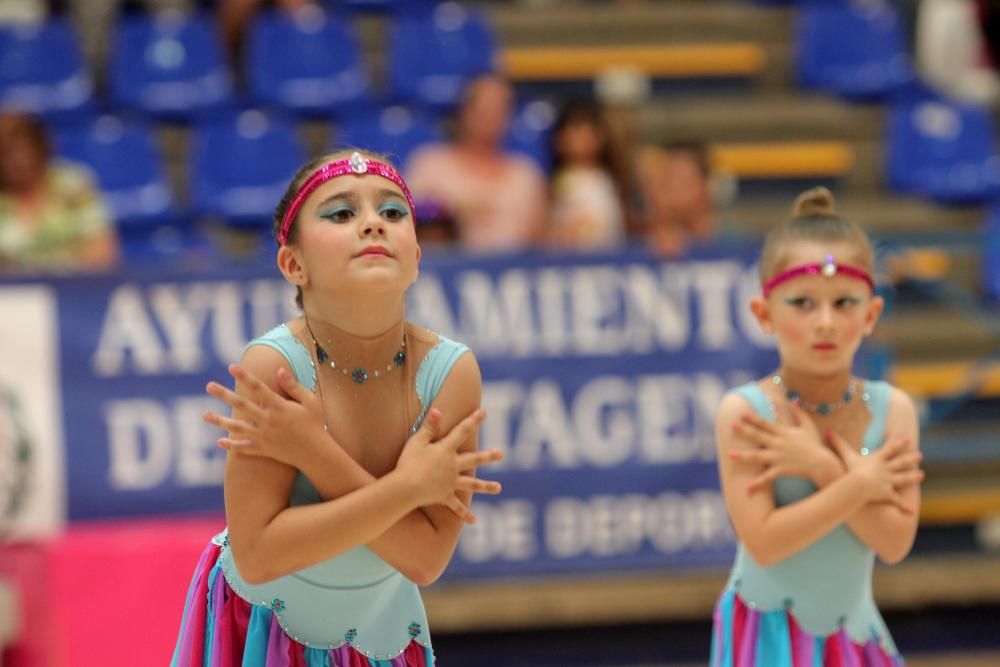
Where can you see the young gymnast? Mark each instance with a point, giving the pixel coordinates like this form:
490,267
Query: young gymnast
819,468
351,446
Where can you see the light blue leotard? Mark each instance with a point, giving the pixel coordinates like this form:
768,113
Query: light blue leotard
355,594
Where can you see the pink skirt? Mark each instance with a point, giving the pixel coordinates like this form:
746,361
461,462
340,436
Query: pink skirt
747,637
221,629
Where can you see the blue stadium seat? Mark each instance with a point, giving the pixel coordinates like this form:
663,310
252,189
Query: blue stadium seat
991,253
169,65
384,6
942,150
395,131
530,132
241,167
42,70
854,50
308,62
371,5
128,167
432,55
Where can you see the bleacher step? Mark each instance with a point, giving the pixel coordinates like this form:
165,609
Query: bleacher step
592,24
879,215
654,596
935,334
779,117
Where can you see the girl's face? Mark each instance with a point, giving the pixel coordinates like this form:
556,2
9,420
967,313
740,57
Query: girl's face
485,114
580,142
819,321
683,188
22,160
356,232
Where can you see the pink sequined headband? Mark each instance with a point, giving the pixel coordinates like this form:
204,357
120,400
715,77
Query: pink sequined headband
828,268
356,164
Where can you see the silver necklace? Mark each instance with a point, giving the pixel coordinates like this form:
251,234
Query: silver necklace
818,408
359,374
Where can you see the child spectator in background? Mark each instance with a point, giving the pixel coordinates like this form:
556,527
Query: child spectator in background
588,209
52,217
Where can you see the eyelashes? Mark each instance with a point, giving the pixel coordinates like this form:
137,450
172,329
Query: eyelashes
392,212
807,302
338,213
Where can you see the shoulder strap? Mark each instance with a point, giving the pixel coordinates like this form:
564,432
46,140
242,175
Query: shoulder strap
757,399
281,339
435,367
878,404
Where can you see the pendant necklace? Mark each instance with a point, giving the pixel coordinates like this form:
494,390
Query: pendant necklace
819,408
359,374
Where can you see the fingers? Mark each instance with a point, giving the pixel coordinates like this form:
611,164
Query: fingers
428,430
258,390
894,446
463,430
766,477
233,426
759,423
900,502
476,485
473,460
291,386
754,456
798,415
754,433
905,461
907,478
841,446
235,445
234,400
460,509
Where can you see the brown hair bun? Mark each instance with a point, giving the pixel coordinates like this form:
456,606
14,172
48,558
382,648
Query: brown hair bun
817,201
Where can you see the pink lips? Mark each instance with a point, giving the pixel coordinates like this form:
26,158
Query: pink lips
824,346
374,251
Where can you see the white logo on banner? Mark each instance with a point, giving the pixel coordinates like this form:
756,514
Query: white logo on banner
32,486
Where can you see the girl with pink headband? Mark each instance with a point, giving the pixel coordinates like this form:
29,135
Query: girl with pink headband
819,468
352,447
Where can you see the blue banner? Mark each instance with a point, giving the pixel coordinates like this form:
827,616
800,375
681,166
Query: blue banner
601,377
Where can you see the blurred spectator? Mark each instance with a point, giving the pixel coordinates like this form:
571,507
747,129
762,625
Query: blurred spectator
951,53
29,11
51,214
497,197
235,17
435,225
588,206
676,188
989,23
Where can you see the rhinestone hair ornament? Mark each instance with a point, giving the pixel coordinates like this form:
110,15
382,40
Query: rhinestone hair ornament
358,165
828,269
